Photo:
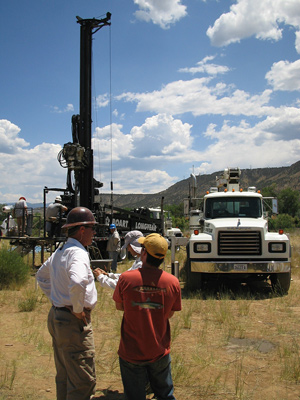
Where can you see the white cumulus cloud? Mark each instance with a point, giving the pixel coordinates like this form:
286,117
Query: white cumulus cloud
197,97
284,75
204,66
10,142
262,19
160,12
25,171
68,108
246,146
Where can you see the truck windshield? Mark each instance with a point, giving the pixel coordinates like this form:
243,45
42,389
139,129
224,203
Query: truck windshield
233,207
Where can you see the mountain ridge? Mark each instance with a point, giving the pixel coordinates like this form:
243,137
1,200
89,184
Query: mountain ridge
281,177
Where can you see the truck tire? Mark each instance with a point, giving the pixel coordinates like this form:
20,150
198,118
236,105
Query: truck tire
193,279
281,282
195,282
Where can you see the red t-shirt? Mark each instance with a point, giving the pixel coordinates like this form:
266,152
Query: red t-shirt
148,295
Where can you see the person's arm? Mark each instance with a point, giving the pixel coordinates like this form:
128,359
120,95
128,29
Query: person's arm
78,275
106,281
118,296
177,301
119,306
43,278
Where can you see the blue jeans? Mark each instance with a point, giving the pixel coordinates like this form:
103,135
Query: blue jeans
158,373
114,256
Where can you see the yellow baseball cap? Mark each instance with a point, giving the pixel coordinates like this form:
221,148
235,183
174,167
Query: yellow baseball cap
155,244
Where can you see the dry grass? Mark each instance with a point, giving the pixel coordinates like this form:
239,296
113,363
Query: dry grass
231,344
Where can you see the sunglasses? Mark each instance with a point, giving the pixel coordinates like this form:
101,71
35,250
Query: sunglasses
89,227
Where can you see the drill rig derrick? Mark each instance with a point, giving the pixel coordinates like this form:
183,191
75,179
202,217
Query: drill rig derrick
78,156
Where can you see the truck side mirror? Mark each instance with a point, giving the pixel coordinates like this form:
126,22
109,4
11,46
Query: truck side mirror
274,206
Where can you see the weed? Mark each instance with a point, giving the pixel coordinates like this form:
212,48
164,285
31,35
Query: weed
239,381
180,373
175,328
28,302
290,359
8,375
186,314
244,307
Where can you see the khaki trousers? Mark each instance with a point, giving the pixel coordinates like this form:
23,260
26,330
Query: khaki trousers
74,355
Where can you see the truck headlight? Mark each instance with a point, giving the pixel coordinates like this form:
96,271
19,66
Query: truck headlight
278,247
202,247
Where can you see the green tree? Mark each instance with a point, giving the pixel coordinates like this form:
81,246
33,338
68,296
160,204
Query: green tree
270,191
176,213
288,202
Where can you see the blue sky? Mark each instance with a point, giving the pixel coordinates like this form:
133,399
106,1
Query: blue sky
196,86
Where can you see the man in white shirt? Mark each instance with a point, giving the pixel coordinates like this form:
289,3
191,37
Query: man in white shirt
67,280
109,279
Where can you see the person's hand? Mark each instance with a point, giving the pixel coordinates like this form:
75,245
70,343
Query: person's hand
80,316
98,272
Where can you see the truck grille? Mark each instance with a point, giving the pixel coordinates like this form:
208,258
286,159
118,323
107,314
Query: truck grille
239,243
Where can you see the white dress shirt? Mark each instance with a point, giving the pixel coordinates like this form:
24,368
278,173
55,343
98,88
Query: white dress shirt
67,279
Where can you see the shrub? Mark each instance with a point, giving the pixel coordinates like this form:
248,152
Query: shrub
283,221
13,270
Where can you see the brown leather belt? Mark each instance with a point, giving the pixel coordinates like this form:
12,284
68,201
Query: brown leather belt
66,308
62,308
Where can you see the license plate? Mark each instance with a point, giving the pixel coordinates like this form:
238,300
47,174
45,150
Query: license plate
240,267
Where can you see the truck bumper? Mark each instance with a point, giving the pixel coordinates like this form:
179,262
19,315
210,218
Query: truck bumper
241,267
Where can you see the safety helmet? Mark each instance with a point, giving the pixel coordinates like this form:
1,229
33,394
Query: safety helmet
79,216
58,199
112,226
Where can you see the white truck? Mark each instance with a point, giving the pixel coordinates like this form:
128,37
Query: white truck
229,236
168,230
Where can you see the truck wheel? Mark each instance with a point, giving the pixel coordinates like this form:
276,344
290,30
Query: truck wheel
193,279
281,282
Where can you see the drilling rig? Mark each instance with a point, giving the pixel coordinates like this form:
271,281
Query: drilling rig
82,189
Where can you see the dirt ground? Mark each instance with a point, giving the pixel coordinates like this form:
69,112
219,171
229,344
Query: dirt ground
241,345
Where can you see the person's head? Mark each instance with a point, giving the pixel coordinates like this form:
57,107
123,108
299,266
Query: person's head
112,227
131,243
154,249
81,225
57,199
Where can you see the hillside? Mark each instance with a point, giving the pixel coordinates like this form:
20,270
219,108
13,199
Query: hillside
282,177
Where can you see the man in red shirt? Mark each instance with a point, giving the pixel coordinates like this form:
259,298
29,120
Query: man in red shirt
148,296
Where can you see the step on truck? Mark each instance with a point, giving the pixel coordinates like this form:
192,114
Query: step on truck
229,236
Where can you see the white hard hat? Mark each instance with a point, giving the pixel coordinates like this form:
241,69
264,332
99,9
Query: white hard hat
58,199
